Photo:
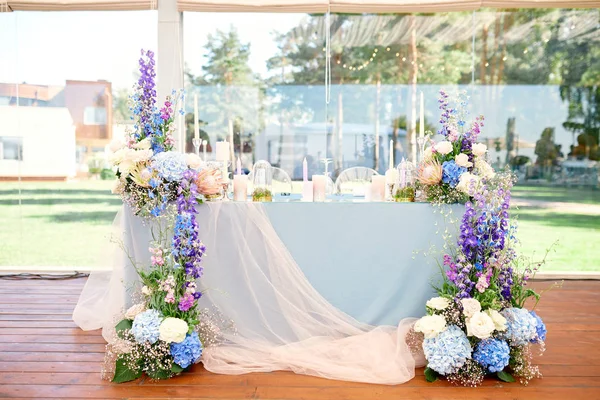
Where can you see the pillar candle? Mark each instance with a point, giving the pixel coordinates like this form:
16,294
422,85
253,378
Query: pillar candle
422,118
319,187
196,126
391,163
222,151
307,191
239,166
378,188
204,143
240,187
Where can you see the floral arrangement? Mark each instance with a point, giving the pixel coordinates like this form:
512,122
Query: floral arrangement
159,335
478,324
453,165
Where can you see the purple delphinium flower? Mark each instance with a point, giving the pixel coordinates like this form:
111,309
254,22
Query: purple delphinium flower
186,302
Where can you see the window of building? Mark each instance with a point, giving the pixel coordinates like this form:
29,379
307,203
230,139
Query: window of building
94,116
11,148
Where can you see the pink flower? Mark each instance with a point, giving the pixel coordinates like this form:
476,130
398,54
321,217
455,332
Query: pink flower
209,182
430,173
170,298
157,260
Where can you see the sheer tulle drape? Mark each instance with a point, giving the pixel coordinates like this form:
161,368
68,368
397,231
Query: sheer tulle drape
281,321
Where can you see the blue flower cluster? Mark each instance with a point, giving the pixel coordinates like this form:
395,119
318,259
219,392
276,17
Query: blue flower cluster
451,173
145,326
521,326
448,351
492,354
540,328
187,352
170,165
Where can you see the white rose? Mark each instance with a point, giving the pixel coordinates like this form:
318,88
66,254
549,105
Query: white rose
484,169
480,325
118,156
146,290
431,325
470,307
193,161
438,303
462,160
144,144
498,319
443,147
173,330
135,310
479,149
141,155
116,144
465,181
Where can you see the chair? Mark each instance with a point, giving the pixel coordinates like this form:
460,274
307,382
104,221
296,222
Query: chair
354,180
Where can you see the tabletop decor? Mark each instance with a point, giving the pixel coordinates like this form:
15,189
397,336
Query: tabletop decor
158,335
449,166
477,325
262,180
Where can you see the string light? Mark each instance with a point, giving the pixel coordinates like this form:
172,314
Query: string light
403,58
388,49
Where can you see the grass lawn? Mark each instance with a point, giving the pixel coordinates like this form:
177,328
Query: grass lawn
65,224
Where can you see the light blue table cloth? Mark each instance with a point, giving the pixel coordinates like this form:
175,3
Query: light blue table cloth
367,259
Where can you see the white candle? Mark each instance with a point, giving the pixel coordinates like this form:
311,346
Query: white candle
307,191
391,163
319,187
196,126
204,143
378,188
304,170
222,151
368,192
239,166
240,187
422,118
391,176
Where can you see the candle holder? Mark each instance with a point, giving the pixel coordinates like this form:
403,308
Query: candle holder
263,176
222,167
196,142
405,192
204,144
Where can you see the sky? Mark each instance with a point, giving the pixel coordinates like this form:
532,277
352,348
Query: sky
49,48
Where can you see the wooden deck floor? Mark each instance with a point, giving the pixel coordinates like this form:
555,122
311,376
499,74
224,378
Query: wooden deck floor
44,355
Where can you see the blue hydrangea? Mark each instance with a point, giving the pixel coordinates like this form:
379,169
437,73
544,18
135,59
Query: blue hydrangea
170,165
540,328
145,326
492,354
448,351
187,352
521,326
451,173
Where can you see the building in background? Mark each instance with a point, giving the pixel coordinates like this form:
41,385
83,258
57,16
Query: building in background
88,106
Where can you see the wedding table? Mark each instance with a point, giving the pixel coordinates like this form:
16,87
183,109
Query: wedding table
366,259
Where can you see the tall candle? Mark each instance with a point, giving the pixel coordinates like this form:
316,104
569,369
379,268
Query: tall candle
319,187
307,191
239,166
391,164
196,126
304,170
422,118
240,187
204,143
222,151
377,188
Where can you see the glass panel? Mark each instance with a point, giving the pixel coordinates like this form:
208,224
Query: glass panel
538,85
63,97
260,86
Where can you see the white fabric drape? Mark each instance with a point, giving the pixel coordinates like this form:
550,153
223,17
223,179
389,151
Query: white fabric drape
281,321
267,6
81,5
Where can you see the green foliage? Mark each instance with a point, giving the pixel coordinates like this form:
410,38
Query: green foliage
123,326
176,369
123,373
430,375
107,174
505,376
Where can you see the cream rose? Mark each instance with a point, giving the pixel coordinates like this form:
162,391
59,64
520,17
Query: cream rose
484,169
479,149
427,153
498,319
465,181
480,325
135,310
430,325
443,147
173,330
116,144
193,161
438,303
470,307
144,144
462,160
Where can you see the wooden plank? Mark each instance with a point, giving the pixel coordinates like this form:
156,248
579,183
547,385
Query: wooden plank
94,337
51,357
49,331
38,324
28,366
20,346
